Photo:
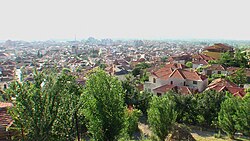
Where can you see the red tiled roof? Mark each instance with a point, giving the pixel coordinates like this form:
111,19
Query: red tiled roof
5,104
164,88
179,89
180,57
163,73
216,67
202,57
5,118
175,66
222,82
187,74
219,48
177,74
236,91
225,85
184,90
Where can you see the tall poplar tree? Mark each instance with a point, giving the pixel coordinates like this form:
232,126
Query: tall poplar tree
104,106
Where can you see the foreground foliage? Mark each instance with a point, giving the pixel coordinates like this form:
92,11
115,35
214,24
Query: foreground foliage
46,109
105,109
162,115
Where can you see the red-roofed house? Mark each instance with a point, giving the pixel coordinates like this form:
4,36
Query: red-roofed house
5,121
200,60
215,69
182,59
221,84
178,89
167,78
216,50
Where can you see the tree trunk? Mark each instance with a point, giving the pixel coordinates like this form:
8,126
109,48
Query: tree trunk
77,128
22,134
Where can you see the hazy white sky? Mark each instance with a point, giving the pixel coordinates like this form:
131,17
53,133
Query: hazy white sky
151,19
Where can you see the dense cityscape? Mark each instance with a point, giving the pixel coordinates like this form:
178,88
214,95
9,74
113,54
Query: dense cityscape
187,81
124,70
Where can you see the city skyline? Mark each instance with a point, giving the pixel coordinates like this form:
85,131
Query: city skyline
193,19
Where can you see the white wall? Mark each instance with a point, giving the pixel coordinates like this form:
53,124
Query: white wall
195,66
216,72
201,85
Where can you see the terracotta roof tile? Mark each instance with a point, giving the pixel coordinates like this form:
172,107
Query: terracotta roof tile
219,48
178,89
222,82
216,67
202,57
5,118
187,74
225,85
184,90
164,88
5,104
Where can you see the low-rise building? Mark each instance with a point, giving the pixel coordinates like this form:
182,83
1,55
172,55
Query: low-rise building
169,77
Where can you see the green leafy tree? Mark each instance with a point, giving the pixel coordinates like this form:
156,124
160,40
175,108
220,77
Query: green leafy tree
104,106
227,115
210,62
208,107
164,58
240,59
131,93
239,77
66,70
144,99
144,76
189,64
243,116
139,67
37,108
136,71
100,64
162,115
69,121
132,119
133,97
226,59
185,107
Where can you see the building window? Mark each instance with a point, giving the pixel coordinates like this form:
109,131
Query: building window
195,82
158,94
184,83
219,72
4,86
171,82
154,80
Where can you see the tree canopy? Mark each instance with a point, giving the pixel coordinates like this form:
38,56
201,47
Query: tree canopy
105,109
162,115
43,106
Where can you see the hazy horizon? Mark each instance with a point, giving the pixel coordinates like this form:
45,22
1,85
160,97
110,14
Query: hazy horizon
130,19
